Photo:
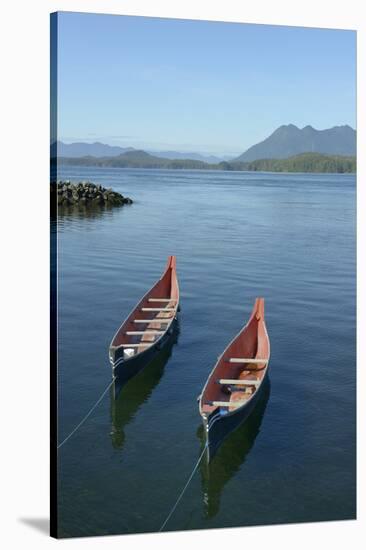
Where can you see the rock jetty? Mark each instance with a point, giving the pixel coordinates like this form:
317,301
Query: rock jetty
87,194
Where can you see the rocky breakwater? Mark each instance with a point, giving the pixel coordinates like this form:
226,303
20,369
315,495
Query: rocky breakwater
88,194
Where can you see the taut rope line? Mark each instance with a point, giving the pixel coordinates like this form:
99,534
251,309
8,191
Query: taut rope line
87,415
184,489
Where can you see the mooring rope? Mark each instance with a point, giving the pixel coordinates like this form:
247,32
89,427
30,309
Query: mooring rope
184,489
87,415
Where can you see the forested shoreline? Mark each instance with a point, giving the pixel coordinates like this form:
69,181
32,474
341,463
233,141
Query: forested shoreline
305,162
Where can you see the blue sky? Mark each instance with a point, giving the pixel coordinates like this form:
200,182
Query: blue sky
196,85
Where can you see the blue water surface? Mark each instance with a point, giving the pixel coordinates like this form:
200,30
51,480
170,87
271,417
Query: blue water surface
236,235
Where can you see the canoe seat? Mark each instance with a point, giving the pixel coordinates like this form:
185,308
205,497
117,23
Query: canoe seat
251,364
134,345
147,321
240,382
248,360
144,332
158,308
228,404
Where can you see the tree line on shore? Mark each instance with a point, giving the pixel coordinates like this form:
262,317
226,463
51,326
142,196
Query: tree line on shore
305,162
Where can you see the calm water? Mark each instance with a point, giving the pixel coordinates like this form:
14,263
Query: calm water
289,238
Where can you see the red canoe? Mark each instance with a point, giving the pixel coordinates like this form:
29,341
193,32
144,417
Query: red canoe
234,385
148,327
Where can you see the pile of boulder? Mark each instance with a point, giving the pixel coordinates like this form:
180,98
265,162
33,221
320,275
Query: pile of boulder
88,194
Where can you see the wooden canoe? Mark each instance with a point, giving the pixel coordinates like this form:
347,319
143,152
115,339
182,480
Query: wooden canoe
235,382
148,328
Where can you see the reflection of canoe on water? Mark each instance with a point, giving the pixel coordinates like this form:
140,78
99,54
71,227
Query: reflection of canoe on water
125,403
231,455
148,328
235,383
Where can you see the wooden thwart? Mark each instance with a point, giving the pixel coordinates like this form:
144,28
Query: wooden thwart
139,332
239,382
155,320
136,345
157,309
246,360
228,403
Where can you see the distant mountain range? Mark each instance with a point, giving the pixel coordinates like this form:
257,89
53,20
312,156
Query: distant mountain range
290,140
97,149
305,149
81,149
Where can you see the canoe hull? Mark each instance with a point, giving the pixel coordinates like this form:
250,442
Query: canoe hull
148,328
123,370
244,361
218,427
